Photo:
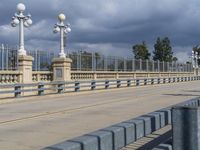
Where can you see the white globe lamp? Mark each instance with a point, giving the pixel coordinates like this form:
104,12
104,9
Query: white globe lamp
21,7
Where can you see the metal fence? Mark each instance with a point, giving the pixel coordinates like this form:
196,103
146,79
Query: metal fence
85,61
95,62
8,58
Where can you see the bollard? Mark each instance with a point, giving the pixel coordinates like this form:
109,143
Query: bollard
137,82
186,128
106,84
93,85
77,86
40,89
128,83
158,80
60,88
145,81
17,90
118,83
152,81
164,80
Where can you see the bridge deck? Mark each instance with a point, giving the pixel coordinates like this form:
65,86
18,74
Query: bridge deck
36,122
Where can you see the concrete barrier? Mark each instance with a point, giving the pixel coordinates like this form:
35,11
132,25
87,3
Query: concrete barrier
129,131
186,127
119,135
66,145
104,139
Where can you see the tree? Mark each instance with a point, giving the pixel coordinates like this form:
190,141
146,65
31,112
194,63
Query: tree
174,59
141,51
163,50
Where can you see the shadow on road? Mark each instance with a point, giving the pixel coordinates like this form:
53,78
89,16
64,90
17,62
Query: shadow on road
182,95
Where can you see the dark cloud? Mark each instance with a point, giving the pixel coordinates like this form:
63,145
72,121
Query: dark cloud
107,26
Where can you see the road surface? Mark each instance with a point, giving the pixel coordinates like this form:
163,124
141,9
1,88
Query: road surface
36,122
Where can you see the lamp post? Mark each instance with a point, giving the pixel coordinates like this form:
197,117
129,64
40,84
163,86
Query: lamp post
63,29
193,59
20,19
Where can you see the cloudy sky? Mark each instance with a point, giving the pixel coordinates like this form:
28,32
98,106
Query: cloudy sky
110,27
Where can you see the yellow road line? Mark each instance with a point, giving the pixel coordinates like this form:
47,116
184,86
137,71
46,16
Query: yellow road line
76,109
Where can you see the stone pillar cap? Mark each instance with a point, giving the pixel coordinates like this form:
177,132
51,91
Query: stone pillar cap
61,59
25,57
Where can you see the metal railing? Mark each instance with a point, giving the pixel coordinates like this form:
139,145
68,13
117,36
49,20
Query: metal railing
85,61
60,87
96,62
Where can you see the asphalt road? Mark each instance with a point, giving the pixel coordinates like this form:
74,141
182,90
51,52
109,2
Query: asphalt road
35,122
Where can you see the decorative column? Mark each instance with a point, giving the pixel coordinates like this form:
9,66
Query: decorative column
62,64
25,62
62,69
25,66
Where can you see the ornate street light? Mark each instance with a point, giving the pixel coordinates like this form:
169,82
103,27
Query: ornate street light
193,59
63,29
20,19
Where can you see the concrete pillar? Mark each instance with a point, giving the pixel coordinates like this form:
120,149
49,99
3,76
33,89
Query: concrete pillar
25,67
62,69
186,128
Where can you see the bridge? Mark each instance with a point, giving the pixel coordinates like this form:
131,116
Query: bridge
37,122
88,101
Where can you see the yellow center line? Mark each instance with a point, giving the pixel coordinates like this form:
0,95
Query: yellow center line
78,108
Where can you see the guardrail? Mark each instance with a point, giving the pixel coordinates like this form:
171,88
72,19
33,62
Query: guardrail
122,134
61,87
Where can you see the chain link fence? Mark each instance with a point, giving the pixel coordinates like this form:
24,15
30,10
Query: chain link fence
85,61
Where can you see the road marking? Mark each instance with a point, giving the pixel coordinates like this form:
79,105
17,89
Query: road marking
76,109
